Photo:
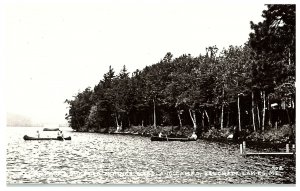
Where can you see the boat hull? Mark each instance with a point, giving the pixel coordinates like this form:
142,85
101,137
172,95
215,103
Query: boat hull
123,133
171,139
51,129
28,138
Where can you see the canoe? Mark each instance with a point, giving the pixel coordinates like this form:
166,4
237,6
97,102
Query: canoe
123,133
120,133
171,139
51,129
28,138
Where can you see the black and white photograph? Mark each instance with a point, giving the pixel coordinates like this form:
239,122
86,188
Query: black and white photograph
148,92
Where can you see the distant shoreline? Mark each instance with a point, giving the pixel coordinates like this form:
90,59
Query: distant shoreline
24,125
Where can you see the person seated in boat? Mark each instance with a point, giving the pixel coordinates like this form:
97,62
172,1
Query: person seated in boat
38,134
160,134
193,136
60,134
230,137
179,134
172,134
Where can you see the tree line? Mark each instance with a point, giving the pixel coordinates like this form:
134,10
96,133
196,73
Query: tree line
247,87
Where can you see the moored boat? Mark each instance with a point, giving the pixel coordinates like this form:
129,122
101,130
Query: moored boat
123,133
51,129
155,138
28,138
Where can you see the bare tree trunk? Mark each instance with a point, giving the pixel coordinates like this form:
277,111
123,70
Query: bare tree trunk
269,111
117,123
193,117
292,110
203,121
222,112
195,121
239,113
258,115
264,110
253,114
180,122
222,116
129,122
154,115
207,118
289,56
228,118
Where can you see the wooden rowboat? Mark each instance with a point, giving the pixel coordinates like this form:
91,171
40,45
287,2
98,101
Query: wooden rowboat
51,129
123,133
28,138
171,139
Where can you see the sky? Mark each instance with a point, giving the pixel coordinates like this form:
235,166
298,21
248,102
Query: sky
53,50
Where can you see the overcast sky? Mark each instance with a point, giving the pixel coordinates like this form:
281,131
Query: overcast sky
51,51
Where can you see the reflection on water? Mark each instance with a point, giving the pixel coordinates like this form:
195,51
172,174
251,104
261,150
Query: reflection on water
91,158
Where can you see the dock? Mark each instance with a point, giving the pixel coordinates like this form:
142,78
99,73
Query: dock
287,152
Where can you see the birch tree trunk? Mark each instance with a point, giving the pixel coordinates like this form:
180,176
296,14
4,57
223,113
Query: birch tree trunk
288,116
269,112
203,123
253,110
239,113
264,110
180,122
116,118
207,118
195,122
154,115
222,111
129,122
193,117
117,123
222,116
258,116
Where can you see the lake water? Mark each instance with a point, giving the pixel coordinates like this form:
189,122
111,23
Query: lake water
91,158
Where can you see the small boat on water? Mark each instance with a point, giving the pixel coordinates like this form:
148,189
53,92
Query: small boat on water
123,133
51,129
28,138
155,138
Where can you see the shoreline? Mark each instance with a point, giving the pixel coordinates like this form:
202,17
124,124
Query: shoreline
214,135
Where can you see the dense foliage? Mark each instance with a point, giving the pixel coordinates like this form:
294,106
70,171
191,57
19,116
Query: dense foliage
248,87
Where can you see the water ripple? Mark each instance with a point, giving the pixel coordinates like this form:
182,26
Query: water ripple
105,159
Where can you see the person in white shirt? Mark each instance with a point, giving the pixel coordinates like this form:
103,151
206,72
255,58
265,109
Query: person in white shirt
60,134
160,134
193,136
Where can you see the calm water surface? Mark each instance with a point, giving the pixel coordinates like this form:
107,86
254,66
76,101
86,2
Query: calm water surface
91,158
